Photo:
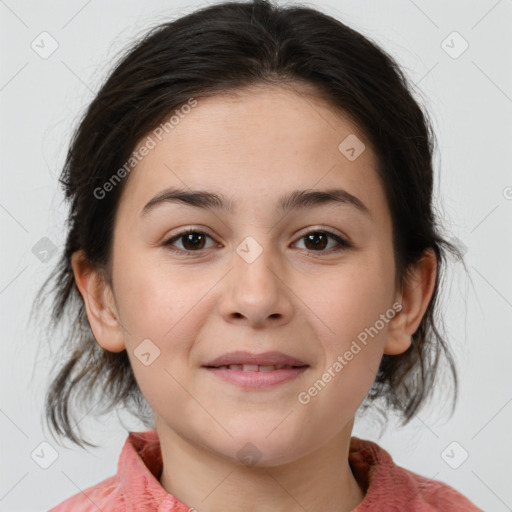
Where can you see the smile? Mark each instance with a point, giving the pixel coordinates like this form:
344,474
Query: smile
256,376
255,367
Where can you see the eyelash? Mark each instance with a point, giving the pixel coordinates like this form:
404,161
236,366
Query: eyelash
343,244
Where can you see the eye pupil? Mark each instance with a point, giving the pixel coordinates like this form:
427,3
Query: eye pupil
189,238
318,244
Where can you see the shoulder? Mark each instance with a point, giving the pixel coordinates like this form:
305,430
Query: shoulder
439,496
106,495
396,488
135,486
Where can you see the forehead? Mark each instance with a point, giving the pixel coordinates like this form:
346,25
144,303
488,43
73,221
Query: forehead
257,143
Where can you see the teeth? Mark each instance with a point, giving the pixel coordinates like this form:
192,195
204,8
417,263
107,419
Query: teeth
254,367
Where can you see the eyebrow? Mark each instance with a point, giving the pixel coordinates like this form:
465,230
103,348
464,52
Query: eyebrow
298,199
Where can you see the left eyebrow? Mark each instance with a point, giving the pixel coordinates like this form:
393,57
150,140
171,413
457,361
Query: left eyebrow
298,199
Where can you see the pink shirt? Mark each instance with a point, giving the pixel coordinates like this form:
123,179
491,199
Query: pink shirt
388,487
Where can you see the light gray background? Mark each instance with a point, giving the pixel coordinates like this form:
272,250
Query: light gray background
470,98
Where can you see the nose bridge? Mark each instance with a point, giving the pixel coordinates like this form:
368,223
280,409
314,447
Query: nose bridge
253,268
256,290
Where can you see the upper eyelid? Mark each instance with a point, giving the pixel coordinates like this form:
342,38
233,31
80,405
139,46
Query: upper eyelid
204,232
328,231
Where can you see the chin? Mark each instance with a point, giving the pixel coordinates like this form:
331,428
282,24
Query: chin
256,448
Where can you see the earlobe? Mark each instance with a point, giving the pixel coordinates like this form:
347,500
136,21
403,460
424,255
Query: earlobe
99,304
397,343
415,298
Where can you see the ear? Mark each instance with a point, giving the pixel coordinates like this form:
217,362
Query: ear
99,303
415,297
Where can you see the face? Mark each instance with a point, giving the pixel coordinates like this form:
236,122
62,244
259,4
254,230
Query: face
311,281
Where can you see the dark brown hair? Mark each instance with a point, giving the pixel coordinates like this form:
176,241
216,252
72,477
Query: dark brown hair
220,48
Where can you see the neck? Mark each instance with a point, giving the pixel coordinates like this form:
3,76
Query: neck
204,480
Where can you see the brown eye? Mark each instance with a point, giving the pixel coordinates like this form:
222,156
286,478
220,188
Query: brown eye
317,241
191,241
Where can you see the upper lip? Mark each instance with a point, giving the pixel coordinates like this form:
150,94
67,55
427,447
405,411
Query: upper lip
263,359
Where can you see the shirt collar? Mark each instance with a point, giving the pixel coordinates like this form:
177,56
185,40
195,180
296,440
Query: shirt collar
140,466
139,469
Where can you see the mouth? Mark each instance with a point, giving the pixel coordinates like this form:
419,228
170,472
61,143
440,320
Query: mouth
242,360
256,377
255,367
255,371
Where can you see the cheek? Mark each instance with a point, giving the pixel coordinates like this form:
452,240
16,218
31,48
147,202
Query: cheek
356,305
352,358
152,298
353,301
163,305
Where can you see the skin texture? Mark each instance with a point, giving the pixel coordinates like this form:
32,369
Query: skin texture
312,304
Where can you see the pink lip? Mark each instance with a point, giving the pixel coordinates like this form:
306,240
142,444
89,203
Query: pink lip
257,379
272,358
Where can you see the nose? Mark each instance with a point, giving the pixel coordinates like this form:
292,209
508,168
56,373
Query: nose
256,291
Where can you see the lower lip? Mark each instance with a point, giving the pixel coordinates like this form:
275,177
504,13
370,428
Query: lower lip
258,379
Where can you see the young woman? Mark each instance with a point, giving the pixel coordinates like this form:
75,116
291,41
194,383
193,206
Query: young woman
252,252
